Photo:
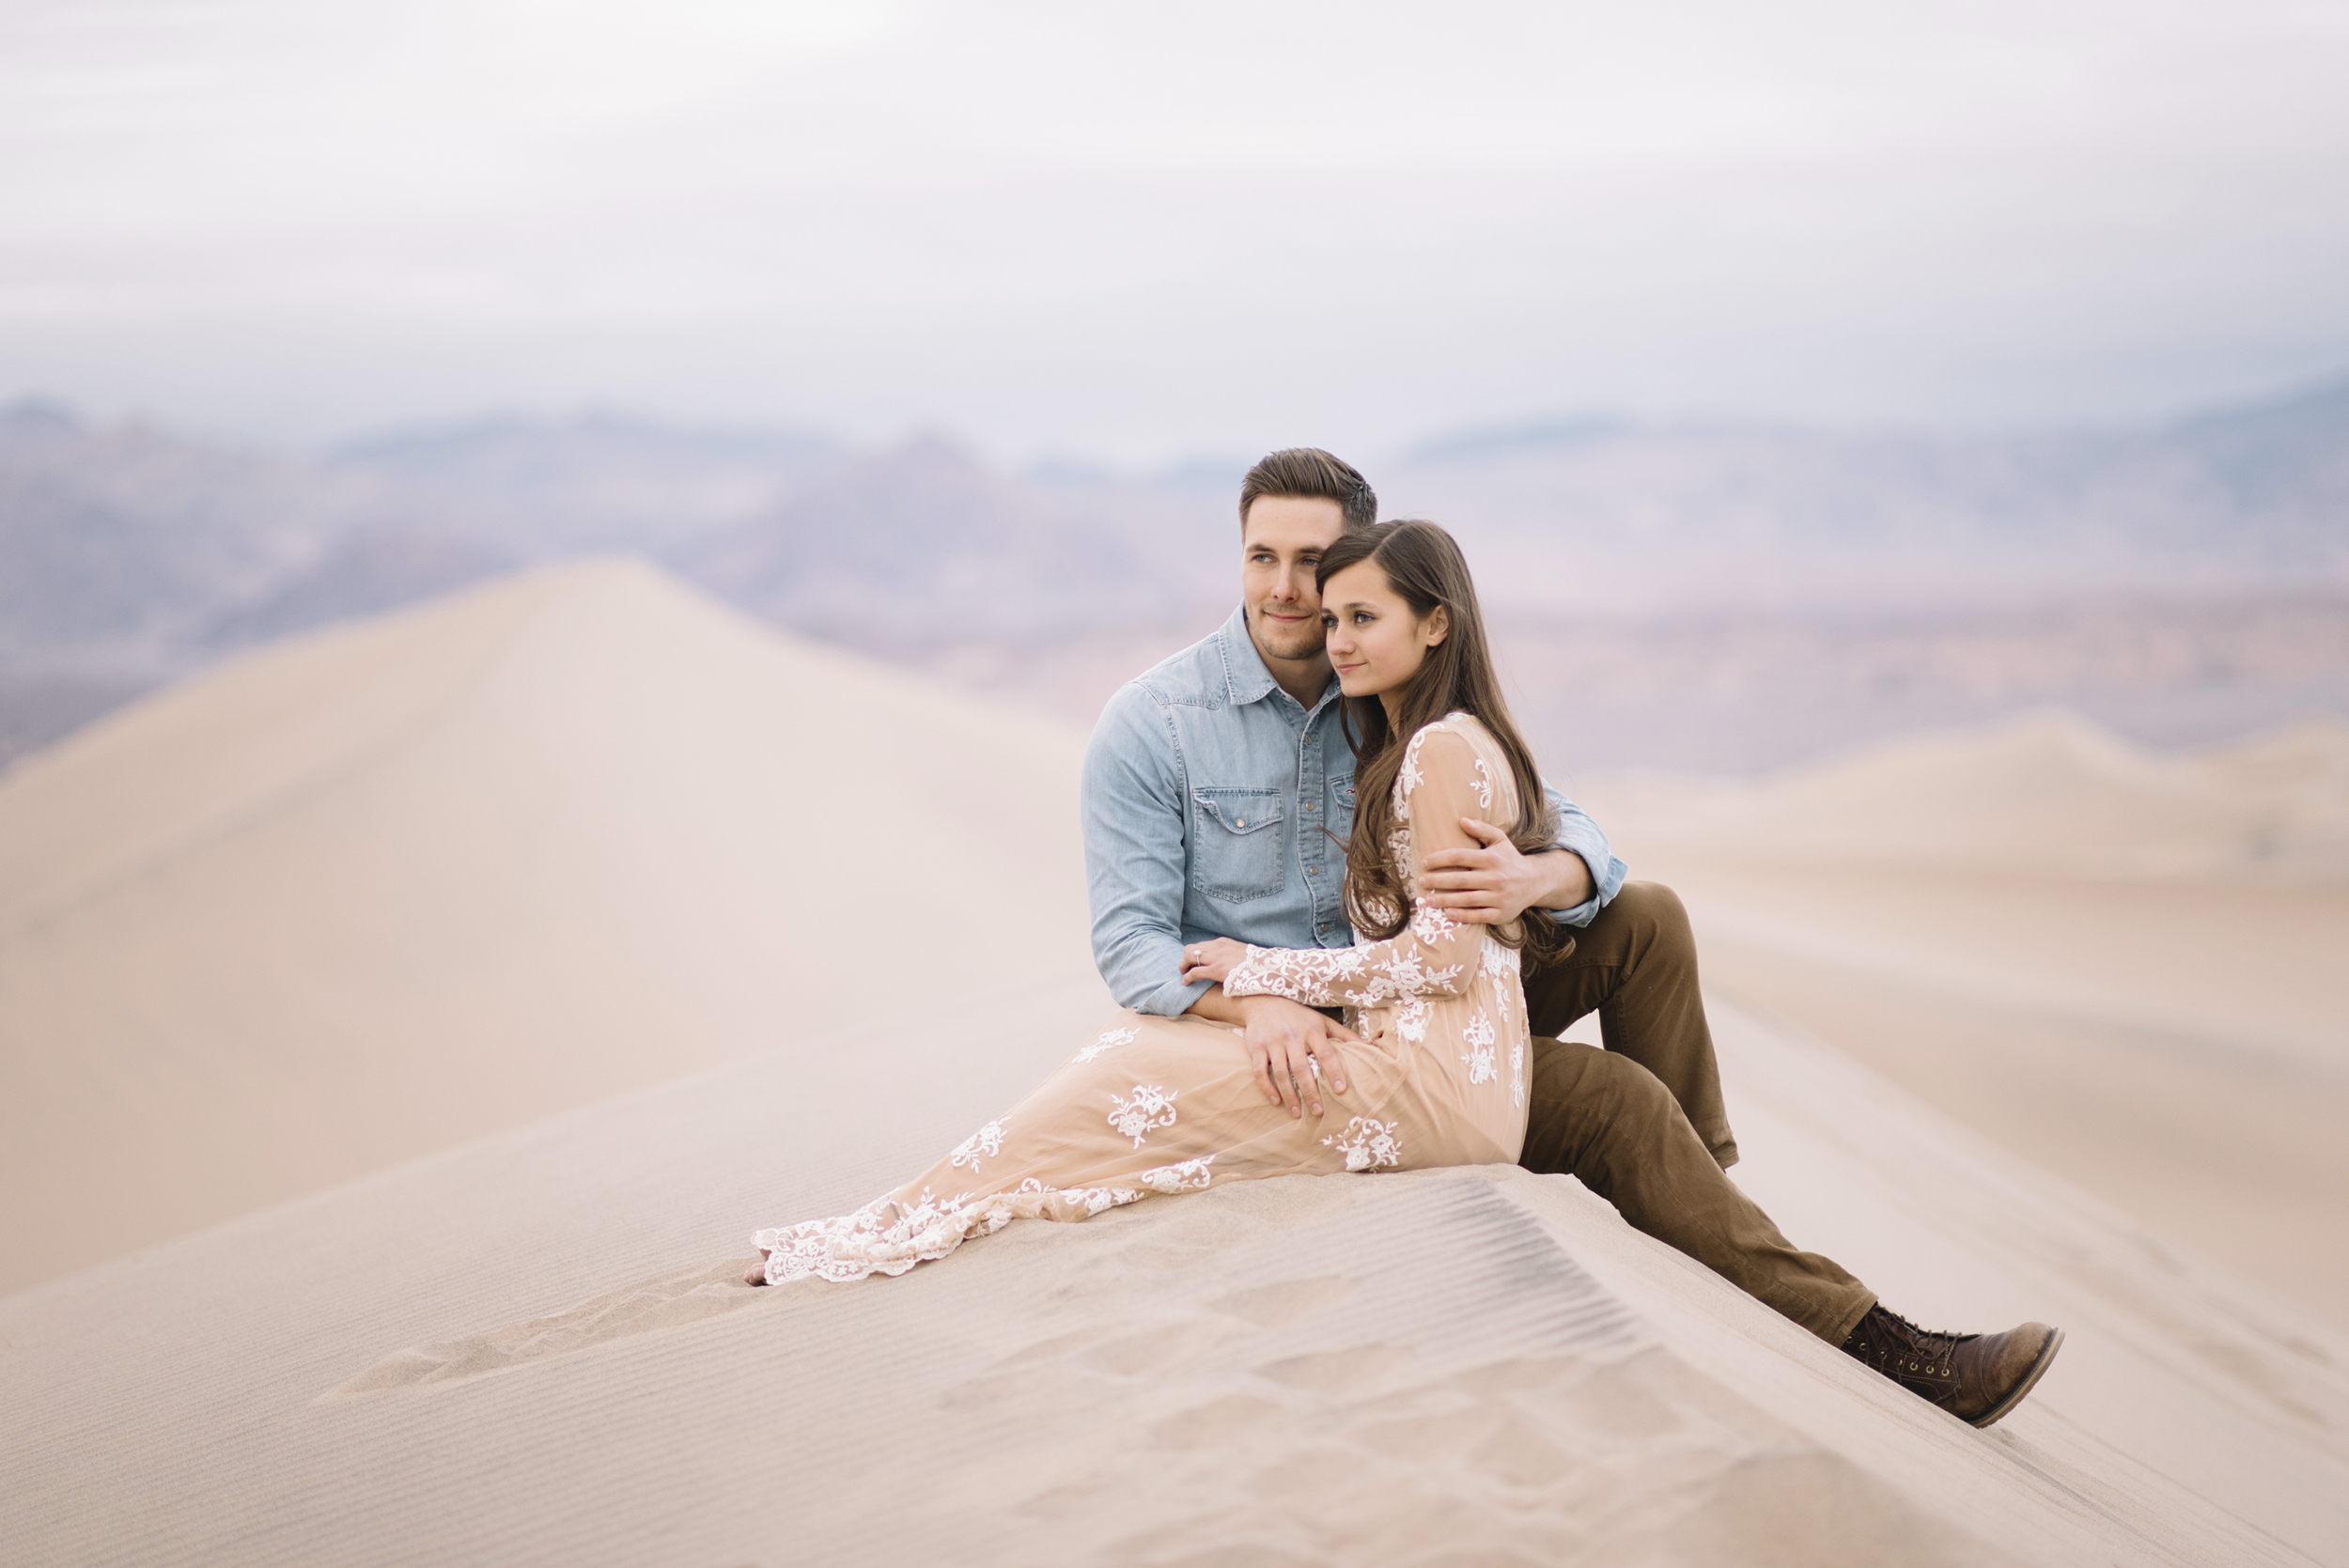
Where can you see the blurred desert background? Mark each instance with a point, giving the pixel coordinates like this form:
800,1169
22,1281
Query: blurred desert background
469,478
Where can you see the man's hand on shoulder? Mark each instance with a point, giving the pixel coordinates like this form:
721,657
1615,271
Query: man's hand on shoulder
1285,1042
1494,884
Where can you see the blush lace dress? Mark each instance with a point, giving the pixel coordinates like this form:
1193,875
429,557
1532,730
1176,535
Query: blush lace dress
1154,1105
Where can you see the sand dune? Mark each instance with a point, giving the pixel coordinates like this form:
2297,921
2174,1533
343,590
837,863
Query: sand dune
372,892
2124,966
528,1349
2050,793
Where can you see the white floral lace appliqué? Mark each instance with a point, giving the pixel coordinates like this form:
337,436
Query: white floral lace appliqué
1109,1041
1060,1199
1399,857
1151,1108
887,1236
983,1144
1189,1175
1367,1143
1479,1035
1506,965
1500,959
1483,785
1407,777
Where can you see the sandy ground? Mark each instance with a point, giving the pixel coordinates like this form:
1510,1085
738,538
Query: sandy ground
531,1348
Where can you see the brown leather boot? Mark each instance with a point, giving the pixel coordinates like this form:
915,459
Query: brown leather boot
1975,1378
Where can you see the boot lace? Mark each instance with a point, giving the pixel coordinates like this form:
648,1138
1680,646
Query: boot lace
1921,1350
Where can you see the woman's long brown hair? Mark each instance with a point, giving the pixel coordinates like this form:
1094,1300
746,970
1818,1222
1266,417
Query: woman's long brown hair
1425,567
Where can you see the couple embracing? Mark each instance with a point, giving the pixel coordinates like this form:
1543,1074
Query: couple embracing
1348,921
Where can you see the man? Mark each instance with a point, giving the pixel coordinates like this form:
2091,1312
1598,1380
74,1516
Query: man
1219,791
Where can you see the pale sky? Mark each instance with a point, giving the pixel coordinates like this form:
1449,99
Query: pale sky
1139,232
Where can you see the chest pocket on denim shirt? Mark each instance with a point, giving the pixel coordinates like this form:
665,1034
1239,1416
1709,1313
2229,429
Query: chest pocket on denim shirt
1344,789
1238,843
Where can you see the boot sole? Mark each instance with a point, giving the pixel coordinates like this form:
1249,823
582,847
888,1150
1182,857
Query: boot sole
2024,1384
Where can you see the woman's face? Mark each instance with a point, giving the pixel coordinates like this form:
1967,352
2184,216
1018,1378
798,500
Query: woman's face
1375,642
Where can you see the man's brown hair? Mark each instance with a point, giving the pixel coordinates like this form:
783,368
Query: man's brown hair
1308,473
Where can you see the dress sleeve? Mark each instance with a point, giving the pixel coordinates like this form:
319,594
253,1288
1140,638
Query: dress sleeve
1435,955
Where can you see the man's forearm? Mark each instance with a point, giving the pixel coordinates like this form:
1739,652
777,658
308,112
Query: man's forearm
1217,1006
1214,1006
1570,882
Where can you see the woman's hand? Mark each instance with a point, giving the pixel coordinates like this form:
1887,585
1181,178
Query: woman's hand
1214,960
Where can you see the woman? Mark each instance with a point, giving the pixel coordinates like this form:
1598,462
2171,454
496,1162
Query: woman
1172,1105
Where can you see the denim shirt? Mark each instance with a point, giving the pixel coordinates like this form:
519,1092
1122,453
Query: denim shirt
1217,806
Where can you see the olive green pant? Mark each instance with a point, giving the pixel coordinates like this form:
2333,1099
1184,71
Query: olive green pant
1641,1123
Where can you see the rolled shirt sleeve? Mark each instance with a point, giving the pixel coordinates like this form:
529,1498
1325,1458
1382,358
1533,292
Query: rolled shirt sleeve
1136,860
1578,832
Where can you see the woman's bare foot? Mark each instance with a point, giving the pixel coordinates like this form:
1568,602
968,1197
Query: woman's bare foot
758,1275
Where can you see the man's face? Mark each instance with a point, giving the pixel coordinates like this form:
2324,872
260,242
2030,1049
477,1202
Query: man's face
1280,543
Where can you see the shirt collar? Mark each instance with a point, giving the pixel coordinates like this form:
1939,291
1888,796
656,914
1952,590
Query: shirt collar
1244,673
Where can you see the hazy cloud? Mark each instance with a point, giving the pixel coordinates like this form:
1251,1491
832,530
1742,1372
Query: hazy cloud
1141,232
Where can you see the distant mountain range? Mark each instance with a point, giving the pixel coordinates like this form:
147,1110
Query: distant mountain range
1687,561
1664,519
